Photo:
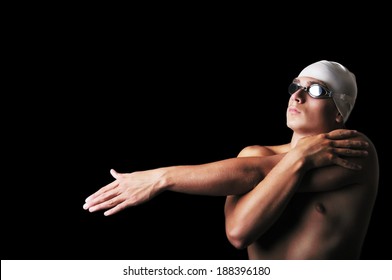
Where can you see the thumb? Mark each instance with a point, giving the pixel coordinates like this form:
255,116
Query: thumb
114,173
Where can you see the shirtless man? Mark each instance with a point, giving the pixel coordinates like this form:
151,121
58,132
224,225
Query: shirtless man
311,198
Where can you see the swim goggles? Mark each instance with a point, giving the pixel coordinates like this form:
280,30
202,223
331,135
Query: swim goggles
315,90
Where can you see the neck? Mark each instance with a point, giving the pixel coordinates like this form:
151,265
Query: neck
297,135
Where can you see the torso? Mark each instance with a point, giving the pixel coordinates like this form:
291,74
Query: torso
322,225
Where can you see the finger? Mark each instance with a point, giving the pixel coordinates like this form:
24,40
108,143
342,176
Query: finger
351,152
116,209
106,204
352,144
100,199
341,134
347,164
102,190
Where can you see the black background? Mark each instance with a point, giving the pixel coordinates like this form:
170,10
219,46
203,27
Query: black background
139,96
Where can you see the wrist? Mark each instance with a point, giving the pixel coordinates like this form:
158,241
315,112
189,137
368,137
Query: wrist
164,180
298,161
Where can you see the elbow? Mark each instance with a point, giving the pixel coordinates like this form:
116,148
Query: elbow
237,238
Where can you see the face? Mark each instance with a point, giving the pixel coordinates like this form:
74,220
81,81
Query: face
309,115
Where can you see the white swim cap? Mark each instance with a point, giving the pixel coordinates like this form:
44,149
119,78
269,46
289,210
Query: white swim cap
339,80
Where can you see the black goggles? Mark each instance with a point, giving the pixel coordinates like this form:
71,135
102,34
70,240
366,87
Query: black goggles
315,90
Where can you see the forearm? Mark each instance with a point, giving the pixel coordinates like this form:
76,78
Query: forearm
250,215
221,178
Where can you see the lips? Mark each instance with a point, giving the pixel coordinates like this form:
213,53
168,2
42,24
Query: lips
293,110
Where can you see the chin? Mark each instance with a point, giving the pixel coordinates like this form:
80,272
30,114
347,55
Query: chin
294,125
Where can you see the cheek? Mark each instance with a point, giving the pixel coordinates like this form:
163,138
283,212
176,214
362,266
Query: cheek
315,109
323,110
325,106
330,109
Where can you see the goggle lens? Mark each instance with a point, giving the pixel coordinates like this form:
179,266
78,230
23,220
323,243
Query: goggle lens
315,90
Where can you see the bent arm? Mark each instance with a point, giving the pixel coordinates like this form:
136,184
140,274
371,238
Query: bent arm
312,166
248,216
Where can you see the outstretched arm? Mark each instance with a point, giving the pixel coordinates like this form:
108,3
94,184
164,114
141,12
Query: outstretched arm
221,178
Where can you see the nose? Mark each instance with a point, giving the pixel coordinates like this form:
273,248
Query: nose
299,96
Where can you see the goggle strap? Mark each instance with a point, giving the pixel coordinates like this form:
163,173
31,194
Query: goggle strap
342,96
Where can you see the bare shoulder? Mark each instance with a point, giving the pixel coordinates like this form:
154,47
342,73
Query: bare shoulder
370,163
363,136
336,177
261,151
372,159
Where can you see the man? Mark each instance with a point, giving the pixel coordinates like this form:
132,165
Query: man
311,198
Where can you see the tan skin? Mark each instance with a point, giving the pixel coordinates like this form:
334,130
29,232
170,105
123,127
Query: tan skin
305,209
309,199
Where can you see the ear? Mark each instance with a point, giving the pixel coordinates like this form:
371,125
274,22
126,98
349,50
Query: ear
339,118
